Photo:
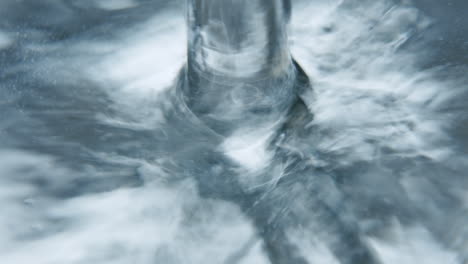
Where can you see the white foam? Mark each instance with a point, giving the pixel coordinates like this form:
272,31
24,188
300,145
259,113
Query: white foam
249,148
127,225
366,90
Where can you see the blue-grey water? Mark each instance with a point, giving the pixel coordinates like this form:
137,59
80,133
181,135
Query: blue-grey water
100,163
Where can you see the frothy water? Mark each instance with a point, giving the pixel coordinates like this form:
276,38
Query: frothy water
98,166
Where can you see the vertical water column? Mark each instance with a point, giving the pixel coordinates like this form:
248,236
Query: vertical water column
239,71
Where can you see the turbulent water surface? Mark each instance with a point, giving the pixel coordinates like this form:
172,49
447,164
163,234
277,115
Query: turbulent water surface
99,162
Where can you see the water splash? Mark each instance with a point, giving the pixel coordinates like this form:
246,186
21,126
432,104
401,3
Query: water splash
88,179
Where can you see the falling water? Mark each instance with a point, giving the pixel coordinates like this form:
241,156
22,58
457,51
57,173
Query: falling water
103,159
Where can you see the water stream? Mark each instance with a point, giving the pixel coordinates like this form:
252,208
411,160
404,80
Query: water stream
102,160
